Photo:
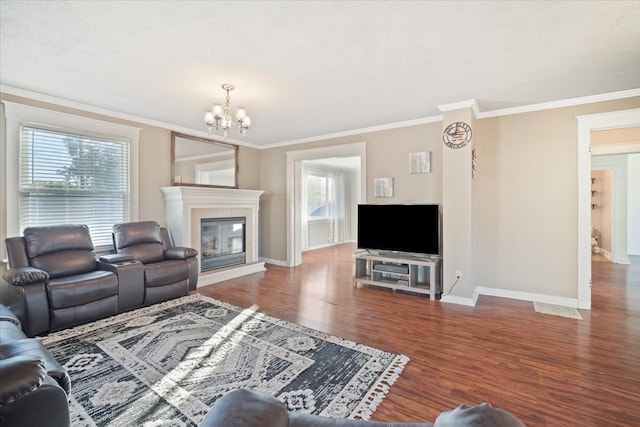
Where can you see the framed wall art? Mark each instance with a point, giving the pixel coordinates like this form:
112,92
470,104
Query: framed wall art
383,187
420,162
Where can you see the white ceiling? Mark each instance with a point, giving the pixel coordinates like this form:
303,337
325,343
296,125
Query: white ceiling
306,69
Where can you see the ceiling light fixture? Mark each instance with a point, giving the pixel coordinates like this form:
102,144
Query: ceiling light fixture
220,115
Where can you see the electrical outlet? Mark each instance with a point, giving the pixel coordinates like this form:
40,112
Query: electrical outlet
458,274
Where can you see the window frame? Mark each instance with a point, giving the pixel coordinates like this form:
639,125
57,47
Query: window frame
16,114
326,178
57,200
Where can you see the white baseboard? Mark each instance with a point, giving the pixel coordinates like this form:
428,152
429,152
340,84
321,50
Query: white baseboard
277,262
620,260
230,273
528,296
460,300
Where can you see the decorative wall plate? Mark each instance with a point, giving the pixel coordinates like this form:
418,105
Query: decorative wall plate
457,135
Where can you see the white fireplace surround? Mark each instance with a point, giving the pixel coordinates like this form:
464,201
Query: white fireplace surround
186,206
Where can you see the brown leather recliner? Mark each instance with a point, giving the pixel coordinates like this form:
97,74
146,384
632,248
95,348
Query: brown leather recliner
54,280
169,271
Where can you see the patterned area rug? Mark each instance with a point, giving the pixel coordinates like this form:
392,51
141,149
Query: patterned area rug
165,365
557,310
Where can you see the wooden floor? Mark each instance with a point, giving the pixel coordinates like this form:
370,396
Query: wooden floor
547,370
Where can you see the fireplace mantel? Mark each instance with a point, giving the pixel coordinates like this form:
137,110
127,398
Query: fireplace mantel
185,206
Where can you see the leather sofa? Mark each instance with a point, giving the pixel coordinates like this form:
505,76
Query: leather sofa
248,408
54,280
169,271
34,388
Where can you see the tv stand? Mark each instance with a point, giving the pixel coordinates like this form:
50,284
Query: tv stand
408,273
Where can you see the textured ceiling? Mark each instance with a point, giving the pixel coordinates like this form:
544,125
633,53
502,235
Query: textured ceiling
306,69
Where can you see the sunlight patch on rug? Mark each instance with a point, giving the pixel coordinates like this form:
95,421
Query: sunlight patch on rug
173,360
557,310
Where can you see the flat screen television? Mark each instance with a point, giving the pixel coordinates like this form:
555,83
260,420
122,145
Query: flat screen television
414,229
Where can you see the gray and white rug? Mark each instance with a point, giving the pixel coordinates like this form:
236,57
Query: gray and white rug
165,365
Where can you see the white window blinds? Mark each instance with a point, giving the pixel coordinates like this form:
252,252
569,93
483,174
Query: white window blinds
71,178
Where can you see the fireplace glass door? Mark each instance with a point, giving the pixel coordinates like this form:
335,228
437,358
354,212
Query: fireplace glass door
222,242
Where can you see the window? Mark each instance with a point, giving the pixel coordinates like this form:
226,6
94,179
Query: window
73,178
316,196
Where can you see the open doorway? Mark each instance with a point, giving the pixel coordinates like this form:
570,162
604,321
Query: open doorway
295,161
330,193
586,126
613,208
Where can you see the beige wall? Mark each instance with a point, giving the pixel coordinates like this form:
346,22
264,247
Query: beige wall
525,194
615,136
154,166
387,156
526,199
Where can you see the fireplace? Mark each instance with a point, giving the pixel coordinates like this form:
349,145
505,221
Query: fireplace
186,207
222,242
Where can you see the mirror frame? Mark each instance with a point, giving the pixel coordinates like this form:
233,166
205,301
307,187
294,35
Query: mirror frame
234,147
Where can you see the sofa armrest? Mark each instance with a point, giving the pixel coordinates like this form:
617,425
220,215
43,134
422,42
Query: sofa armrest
130,282
33,348
114,258
21,276
246,408
29,397
7,315
20,375
179,252
482,415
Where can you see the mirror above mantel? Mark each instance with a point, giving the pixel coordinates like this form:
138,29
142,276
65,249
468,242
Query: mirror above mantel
203,162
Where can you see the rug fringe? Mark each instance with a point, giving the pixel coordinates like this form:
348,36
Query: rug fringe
380,389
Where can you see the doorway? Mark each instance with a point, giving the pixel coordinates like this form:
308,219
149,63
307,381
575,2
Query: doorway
587,124
613,213
330,193
295,184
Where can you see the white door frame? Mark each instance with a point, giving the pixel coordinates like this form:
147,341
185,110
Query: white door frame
294,188
587,124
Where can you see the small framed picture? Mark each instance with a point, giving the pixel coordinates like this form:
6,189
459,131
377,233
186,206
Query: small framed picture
420,162
382,187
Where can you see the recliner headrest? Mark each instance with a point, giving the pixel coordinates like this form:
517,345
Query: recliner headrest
47,239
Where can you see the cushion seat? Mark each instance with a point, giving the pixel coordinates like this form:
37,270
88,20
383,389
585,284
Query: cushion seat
165,272
82,298
70,291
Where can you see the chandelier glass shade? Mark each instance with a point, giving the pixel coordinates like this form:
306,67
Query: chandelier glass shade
220,116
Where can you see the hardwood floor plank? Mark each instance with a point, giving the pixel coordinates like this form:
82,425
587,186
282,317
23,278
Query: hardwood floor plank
547,370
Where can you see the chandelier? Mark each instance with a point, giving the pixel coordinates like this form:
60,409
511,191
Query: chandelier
220,116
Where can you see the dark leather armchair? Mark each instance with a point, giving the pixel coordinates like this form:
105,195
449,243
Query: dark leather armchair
34,388
169,271
54,280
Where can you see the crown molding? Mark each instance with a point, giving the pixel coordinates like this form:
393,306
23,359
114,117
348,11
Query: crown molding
23,93
35,96
470,103
611,96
